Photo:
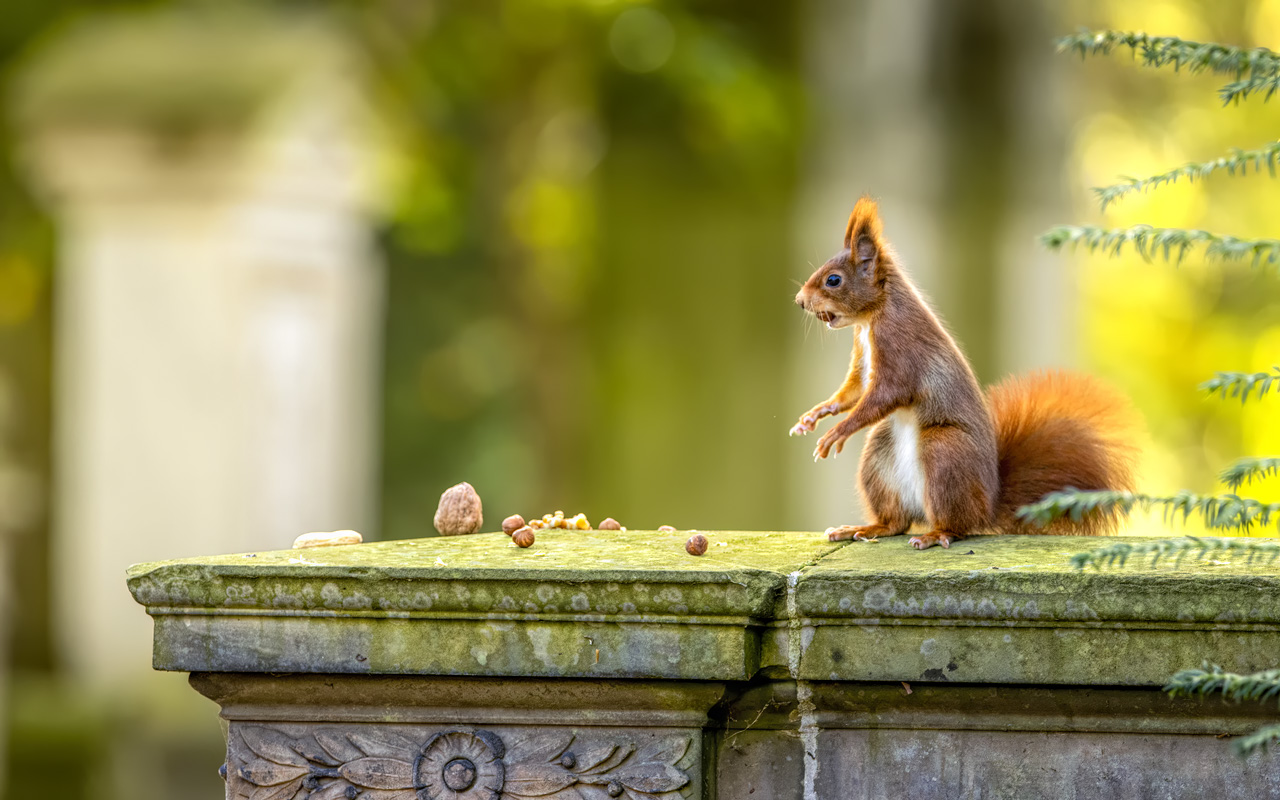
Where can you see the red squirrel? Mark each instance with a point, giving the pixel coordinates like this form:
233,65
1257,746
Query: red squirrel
941,453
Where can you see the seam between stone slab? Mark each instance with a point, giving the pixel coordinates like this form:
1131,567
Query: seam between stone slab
808,725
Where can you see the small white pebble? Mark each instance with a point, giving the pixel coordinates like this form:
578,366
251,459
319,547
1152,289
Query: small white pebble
327,539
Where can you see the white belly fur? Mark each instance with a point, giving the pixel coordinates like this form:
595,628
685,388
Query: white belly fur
906,473
864,341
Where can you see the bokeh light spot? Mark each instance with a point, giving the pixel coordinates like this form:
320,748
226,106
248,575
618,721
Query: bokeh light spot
642,39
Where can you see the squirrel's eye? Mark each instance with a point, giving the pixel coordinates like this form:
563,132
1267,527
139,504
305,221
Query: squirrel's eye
833,280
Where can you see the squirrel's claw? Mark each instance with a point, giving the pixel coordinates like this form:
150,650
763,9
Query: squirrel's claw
809,421
926,540
833,439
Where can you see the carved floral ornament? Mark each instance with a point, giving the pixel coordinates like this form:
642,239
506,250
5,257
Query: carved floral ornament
377,764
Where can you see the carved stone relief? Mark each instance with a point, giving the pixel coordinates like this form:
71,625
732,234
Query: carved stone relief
378,763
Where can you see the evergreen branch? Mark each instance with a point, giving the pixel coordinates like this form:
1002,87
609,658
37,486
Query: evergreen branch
1212,679
1218,511
1238,161
1118,553
1233,384
1247,470
1256,687
1258,740
1238,90
1161,51
1170,243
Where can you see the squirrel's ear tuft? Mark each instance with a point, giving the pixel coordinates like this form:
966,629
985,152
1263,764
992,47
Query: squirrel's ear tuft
864,222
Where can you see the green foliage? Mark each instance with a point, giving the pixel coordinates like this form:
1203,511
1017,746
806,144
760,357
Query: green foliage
1239,384
1169,243
1161,51
1238,90
1118,553
1237,163
1227,511
1256,71
1247,470
1258,739
1257,687
1212,679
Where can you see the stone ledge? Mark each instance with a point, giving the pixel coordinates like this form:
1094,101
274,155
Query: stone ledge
1005,609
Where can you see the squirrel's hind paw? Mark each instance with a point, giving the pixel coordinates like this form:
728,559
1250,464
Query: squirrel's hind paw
926,540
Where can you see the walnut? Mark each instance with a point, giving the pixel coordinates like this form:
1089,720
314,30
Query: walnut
327,539
697,545
523,537
512,524
459,511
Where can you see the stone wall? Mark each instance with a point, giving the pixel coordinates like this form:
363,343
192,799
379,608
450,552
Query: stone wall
607,664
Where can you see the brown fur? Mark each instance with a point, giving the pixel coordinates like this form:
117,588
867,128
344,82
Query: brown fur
1056,430
938,454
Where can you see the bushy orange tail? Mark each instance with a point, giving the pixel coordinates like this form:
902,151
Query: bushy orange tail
1056,430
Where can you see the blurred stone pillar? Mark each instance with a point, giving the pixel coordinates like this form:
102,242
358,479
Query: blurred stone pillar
950,115
217,308
875,130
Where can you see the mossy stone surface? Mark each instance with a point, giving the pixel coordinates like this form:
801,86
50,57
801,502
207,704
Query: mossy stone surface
597,603
1028,578
1007,609
564,572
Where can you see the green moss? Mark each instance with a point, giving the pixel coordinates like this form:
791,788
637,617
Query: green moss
570,573
612,604
1029,578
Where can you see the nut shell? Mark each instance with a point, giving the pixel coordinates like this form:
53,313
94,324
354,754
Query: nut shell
697,545
459,511
523,537
610,524
512,524
666,529
327,539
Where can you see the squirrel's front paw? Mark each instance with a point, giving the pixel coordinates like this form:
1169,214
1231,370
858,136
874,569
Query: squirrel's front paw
834,438
810,420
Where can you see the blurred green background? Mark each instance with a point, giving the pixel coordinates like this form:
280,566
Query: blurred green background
592,216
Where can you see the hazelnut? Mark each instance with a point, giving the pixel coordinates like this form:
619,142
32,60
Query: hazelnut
512,524
327,539
666,529
610,524
459,511
697,545
523,537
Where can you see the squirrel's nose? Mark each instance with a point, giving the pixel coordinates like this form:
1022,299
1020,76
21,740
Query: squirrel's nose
800,299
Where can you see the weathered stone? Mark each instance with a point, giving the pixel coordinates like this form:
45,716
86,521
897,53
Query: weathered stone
578,603
473,738
1011,609
777,665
